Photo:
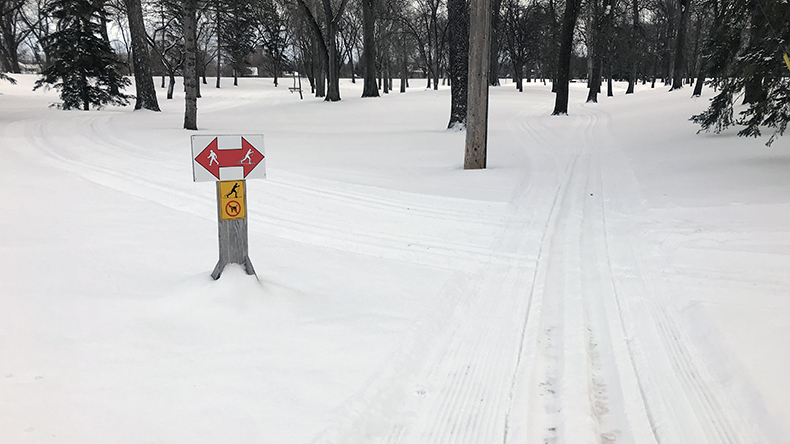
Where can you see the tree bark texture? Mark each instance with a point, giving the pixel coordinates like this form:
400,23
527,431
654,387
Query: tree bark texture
458,30
369,88
189,9
143,78
477,106
564,57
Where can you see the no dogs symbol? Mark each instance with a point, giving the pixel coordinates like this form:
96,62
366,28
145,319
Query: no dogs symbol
232,208
232,200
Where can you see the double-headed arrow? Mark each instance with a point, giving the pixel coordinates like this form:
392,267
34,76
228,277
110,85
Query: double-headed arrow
212,158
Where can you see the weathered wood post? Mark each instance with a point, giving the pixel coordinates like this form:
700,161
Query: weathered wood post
232,222
477,102
228,160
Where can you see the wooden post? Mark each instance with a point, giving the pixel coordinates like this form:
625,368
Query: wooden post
233,244
477,104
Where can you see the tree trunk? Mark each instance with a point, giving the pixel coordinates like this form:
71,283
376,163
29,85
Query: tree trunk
680,44
404,70
458,69
369,88
190,71
219,46
753,85
333,65
171,86
609,87
143,79
564,57
700,80
477,107
493,63
632,52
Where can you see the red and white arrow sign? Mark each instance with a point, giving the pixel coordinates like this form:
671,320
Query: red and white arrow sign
227,157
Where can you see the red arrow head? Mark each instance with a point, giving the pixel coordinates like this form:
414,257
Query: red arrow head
209,158
252,157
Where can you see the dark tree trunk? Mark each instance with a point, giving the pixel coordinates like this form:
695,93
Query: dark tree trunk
219,46
190,65
700,80
143,79
609,86
493,73
404,72
171,86
458,69
632,52
369,88
564,58
680,45
332,62
601,16
753,87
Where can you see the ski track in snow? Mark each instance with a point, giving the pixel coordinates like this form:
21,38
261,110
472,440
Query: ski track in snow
566,345
547,331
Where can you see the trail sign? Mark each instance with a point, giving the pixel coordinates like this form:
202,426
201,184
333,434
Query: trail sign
232,200
228,161
228,158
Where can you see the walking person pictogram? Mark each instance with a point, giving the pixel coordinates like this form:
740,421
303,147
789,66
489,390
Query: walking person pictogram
212,158
234,191
247,157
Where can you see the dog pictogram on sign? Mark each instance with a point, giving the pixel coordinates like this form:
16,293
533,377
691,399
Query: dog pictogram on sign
232,201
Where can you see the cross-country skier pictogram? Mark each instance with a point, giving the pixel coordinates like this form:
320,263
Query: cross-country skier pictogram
247,157
234,191
212,158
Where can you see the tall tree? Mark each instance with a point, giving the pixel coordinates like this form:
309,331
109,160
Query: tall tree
11,34
143,77
237,32
85,69
601,16
632,50
369,88
564,58
326,38
458,68
680,47
189,20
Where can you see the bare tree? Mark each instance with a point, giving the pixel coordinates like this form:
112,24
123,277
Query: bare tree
143,77
564,60
189,21
369,88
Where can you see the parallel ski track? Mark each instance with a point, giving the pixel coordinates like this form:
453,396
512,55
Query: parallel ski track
682,401
556,338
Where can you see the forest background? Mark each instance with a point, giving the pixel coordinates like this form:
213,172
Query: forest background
737,45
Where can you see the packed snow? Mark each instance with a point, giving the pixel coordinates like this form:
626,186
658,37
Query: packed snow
611,277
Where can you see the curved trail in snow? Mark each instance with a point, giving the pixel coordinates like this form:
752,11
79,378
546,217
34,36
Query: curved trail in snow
547,330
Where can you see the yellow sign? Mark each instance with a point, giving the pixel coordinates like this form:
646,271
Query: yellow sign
787,60
232,200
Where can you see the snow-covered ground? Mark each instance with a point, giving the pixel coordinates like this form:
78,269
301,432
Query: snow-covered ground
612,277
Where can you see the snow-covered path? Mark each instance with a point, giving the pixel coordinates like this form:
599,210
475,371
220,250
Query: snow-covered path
580,290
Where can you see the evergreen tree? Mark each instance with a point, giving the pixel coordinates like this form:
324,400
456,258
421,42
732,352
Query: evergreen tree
745,56
84,67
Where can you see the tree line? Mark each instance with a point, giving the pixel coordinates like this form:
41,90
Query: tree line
85,48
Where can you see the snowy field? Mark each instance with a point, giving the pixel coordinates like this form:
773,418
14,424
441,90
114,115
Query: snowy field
612,277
